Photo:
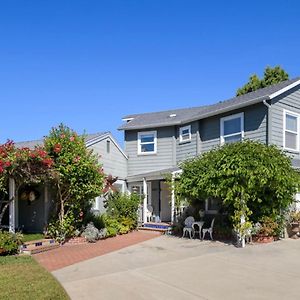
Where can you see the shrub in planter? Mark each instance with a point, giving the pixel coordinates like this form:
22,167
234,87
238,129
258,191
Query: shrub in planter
265,231
294,224
9,242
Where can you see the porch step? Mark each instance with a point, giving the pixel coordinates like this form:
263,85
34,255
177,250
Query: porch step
161,227
37,246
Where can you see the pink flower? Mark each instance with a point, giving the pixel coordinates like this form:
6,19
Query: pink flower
72,138
62,136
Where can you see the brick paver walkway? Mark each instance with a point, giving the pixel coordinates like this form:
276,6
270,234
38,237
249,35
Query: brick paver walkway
70,254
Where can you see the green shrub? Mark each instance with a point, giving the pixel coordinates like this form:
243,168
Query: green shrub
121,206
60,230
10,242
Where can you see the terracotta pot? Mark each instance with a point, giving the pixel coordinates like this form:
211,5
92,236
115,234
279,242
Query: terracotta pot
295,229
260,238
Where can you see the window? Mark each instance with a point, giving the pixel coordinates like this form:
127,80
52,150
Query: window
147,142
212,205
291,131
185,134
232,128
108,146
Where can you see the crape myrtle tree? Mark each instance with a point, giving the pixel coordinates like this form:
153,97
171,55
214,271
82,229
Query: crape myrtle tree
79,179
271,76
251,180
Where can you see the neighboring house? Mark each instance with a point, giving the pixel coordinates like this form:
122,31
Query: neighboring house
34,216
157,142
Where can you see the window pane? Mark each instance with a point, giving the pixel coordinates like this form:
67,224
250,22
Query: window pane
146,138
291,140
232,139
291,123
185,131
185,137
232,126
213,204
147,148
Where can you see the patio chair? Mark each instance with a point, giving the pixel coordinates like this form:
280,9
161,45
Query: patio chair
188,228
209,230
149,213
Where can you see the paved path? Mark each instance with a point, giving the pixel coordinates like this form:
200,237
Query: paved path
172,268
71,254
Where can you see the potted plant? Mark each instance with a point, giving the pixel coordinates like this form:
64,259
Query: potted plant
265,231
295,224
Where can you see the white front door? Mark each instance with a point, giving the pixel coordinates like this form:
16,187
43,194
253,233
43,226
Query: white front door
165,202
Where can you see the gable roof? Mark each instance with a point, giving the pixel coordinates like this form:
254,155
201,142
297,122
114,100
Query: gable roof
185,115
33,143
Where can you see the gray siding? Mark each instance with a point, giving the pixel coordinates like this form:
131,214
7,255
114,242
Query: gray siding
164,158
288,101
187,149
255,126
114,162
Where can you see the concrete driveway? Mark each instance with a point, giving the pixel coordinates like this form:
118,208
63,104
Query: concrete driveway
173,268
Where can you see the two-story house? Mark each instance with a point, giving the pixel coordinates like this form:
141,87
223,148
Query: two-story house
157,142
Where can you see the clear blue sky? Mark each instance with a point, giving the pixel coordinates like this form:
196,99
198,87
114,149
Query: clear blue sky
88,63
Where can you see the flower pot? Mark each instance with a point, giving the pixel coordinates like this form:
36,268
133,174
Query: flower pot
295,229
263,239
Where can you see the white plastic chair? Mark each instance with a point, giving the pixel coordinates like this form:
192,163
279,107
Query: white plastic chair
209,230
188,222
149,213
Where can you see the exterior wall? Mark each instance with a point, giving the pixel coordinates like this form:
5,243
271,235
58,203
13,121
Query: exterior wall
288,101
114,162
164,158
255,126
187,149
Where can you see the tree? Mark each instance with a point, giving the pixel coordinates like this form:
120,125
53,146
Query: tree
271,76
79,177
251,179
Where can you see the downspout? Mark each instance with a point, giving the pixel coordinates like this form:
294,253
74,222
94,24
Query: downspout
269,124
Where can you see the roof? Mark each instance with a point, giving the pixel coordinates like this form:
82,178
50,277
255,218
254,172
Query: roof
31,144
185,115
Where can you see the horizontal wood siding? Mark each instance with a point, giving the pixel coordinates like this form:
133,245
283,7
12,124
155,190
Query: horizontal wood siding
138,164
188,149
288,101
255,126
114,162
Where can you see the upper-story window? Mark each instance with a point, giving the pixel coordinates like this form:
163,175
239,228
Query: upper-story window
232,128
185,134
291,131
147,142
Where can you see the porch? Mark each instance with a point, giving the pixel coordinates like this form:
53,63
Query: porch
157,209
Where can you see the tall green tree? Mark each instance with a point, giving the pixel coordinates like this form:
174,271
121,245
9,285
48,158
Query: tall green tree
271,76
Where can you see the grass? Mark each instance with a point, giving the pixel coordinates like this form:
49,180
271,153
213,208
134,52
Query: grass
21,277
27,237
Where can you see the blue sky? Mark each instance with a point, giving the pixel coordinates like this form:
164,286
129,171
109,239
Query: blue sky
88,63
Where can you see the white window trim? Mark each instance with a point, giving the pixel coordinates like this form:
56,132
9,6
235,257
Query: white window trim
222,120
181,129
287,112
139,142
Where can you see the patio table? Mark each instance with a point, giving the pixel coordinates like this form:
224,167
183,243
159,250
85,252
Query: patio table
199,224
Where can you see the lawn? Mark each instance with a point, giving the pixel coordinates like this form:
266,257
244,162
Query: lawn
21,277
27,237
